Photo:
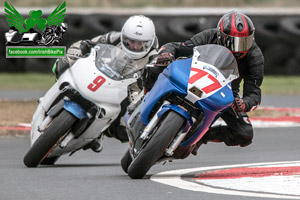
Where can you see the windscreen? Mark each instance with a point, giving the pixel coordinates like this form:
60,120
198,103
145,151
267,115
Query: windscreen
220,57
114,63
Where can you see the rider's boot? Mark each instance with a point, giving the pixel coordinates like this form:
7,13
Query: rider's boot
197,146
98,144
214,134
118,132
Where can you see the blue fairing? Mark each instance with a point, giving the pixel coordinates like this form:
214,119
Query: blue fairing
75,109
211,107
177,109
173,79
222,98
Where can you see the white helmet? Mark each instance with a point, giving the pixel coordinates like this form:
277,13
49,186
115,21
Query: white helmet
137,36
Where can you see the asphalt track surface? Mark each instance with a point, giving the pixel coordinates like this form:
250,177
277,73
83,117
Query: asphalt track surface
87,175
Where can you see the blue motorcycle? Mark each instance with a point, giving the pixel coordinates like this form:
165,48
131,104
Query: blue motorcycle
187,98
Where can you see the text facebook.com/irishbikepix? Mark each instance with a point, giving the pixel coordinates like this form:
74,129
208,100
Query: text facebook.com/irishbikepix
35,36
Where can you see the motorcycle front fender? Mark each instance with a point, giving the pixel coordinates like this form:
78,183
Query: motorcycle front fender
177,109
75,109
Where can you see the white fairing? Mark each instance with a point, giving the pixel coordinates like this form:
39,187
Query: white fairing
113,90
39,115
93,85
209,82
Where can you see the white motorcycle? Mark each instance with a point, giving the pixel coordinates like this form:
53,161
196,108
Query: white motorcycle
81,105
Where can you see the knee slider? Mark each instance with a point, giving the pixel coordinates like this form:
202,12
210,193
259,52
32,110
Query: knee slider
245,137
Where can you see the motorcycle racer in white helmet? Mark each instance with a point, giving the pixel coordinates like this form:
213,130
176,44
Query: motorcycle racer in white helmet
137,36
137,39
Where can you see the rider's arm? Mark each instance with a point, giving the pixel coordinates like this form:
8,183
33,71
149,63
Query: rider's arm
82,47
112,38
253,79
185,49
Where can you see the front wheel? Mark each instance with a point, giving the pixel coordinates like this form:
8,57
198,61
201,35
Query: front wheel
49,161
47,141
126,161
155,148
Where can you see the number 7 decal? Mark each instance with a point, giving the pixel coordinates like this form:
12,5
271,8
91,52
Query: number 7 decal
97,82
203,74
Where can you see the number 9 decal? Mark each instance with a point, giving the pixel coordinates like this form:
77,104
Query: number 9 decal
97,82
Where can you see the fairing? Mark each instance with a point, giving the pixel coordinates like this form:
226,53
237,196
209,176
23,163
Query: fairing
173,79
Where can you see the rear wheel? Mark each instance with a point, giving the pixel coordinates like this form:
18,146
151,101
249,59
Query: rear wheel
47,141
157,145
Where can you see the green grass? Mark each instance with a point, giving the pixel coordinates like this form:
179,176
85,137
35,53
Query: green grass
282,85
26,81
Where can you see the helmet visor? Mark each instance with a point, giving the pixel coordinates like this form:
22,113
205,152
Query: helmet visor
136,45
237,44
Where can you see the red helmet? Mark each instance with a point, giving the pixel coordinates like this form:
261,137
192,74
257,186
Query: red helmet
236,32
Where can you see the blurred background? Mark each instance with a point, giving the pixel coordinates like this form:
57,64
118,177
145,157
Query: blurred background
277,24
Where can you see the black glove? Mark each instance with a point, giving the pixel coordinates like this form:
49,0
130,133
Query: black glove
164,59
85,47
239,105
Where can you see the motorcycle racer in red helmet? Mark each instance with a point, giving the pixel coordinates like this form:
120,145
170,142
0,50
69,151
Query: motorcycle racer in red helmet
235,31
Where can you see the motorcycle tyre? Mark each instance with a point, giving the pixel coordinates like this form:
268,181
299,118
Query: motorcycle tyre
50,161
44,144
126,161
151,152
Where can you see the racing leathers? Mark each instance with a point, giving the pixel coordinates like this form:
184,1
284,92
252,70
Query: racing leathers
239,130
82,48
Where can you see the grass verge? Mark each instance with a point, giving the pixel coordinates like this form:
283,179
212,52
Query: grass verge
276,85
281,85
26,81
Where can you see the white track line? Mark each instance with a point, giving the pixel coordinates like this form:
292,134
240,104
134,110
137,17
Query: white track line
173,178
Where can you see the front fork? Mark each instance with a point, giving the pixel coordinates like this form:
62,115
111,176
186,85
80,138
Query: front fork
40,122
156,118
153,122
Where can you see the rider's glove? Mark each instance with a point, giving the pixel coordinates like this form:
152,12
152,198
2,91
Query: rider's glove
79,49
85,47
239,105
164,59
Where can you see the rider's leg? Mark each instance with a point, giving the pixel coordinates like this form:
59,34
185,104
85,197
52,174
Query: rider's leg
238,131
98,144
117,130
